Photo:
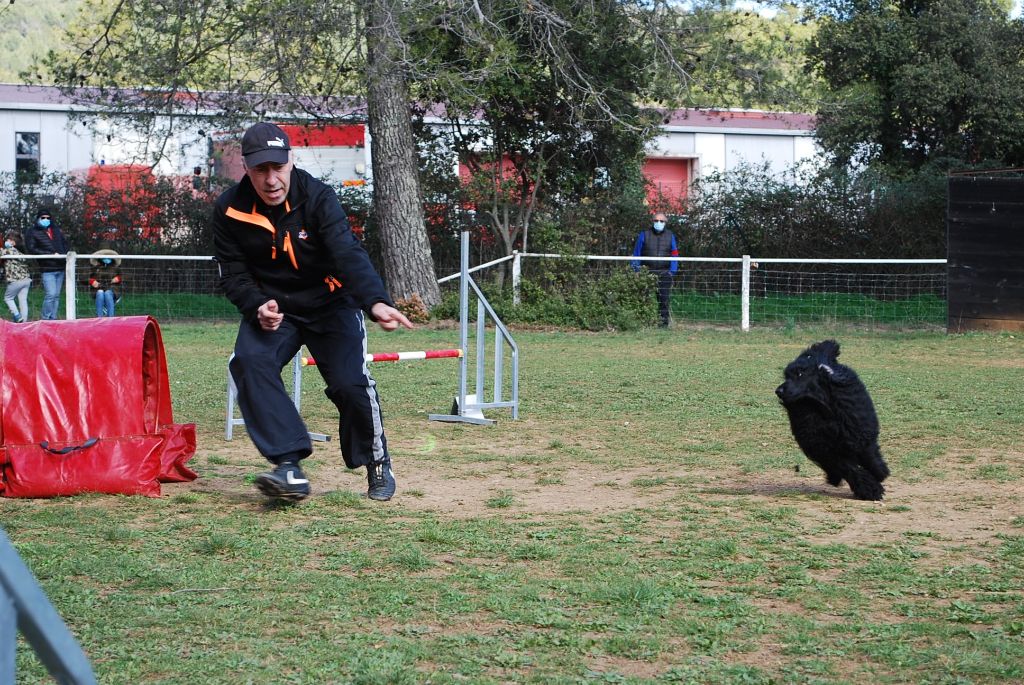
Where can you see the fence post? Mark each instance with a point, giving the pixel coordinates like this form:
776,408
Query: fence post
745,294
517,276
69,286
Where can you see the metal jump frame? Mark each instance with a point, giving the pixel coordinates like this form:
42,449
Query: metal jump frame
468,408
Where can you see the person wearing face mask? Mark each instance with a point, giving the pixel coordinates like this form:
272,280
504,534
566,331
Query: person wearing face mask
105,280
18,278
46,238
658,241
290,263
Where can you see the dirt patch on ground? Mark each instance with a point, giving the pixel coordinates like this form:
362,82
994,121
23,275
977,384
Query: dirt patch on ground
956,507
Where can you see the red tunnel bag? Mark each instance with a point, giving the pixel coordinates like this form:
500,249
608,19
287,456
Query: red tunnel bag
85,406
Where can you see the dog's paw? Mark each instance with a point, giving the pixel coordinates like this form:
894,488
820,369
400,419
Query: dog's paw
870,491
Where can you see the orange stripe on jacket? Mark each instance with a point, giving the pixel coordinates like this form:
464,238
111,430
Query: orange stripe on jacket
290,251
263,222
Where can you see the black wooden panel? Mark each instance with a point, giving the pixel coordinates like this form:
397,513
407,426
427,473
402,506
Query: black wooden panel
985,189
985,245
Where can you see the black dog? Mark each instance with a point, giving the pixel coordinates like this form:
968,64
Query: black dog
834,420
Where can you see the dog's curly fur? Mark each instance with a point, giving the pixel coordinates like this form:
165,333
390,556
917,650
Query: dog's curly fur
834,420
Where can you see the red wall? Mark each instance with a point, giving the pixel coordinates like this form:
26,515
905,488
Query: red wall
669,181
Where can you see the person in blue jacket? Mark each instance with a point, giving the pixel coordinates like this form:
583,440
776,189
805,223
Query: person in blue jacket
291,265
658,241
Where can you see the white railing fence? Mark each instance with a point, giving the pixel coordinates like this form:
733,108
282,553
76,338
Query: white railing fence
730,291
750,290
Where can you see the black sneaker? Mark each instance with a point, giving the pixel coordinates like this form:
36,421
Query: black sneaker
381,481
286,481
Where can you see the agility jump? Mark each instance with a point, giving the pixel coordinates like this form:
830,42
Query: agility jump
467,406
301,362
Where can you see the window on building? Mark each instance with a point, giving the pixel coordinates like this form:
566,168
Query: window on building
26,157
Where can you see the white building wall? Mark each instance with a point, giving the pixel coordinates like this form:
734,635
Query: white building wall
777,151
333,163
178,149
673,144
711,149
806,148
63,146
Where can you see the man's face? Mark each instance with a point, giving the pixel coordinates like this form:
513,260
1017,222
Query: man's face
271,181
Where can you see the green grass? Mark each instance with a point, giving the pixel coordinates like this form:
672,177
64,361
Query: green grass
811,309
163,306
720,564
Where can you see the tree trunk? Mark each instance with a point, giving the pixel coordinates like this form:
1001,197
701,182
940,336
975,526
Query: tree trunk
397,202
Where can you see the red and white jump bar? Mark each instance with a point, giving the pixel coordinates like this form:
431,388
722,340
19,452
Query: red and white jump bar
400,356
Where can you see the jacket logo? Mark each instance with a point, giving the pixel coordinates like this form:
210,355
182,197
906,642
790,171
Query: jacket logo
276,142
302,234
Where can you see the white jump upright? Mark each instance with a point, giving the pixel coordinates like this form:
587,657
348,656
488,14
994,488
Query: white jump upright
467,407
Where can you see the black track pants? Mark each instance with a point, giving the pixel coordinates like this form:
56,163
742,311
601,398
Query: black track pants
338,344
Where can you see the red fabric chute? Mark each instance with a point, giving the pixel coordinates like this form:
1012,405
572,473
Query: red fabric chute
85,406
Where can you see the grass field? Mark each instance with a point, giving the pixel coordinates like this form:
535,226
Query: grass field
649,519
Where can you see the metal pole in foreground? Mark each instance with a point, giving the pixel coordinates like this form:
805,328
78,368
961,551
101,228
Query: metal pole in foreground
23,603
463,319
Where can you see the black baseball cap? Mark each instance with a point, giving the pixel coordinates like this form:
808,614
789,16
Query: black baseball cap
265,142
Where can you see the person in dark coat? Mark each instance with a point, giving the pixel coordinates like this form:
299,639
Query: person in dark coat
289,262
105,280
46,238
658,241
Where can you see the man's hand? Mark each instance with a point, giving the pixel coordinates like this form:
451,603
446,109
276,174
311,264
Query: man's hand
268,316
388,317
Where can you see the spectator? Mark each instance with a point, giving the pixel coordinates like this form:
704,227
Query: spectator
46,238
18,277
658,241
105,280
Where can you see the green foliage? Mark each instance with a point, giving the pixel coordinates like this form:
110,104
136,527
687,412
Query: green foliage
828,213
555,117
28,28
749,60
161,216
563,294
914,83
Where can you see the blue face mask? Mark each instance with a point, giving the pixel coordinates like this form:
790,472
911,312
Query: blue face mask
106,261
45,223
659,226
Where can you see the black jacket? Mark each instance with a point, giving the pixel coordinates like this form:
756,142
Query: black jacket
306,257
38,241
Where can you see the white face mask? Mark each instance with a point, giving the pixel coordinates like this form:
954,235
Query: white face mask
659,226
9,243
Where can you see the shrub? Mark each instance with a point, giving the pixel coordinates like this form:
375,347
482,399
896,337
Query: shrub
564,295
813,213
